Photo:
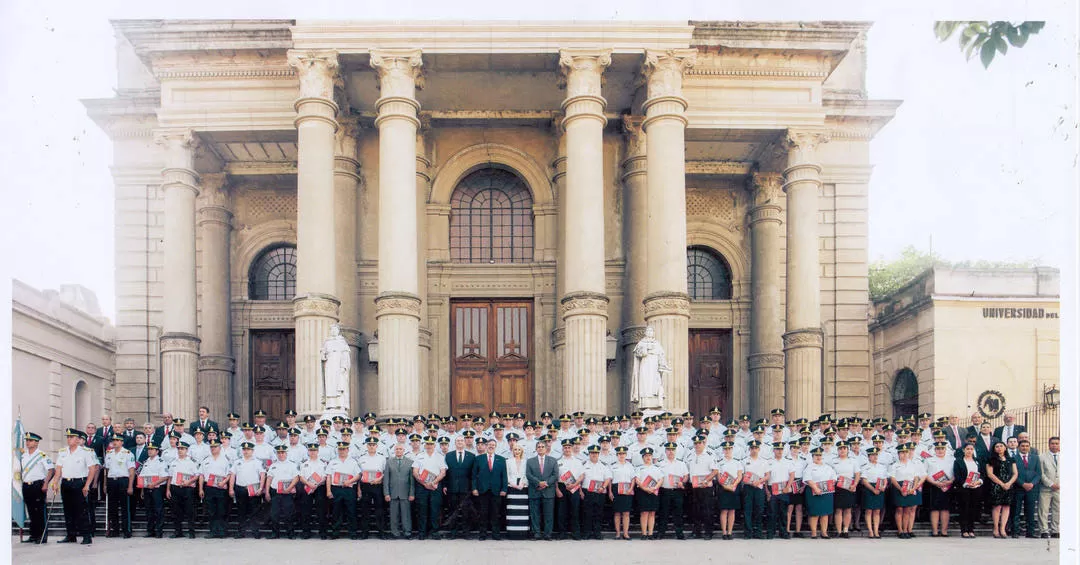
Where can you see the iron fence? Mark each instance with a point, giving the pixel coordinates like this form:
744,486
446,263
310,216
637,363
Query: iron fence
1041,422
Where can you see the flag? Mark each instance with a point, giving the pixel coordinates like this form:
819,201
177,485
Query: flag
18,507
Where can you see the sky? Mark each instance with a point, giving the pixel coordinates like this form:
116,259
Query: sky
978,164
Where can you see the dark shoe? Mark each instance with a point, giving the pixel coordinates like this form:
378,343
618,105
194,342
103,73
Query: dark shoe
708,537
177,535
32,540
191,534
680,536
127,535
1055,535
86,541
482,537
785,535
112,535
825,537
1014,536
1031,536
272,535
66,540
160,535
1045,536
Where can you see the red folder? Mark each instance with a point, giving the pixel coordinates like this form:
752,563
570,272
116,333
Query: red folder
698,481
628,488
181,479
427,477
215,481
749,478
595,486
905,488
371,476
776,488
844,482
938,476
315,478
282,487
140,481
674,481
567,477
649,482
799,486
972,478
881,484
828,486
252,490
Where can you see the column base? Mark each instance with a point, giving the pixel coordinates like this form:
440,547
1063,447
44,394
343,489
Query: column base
585,356
179,374
669,315
215,383
802,372
313,315
398,316
766,383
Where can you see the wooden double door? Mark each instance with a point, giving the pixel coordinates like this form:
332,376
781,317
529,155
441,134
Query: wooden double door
273,372
491,349
710,372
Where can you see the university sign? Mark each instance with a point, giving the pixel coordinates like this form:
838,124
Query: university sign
1026,313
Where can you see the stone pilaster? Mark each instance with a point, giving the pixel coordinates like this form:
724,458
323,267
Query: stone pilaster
803,336
667,306
584,304
558,336
635,197
398,305
347,183
428,386
179,343
316,305
766,359
216,363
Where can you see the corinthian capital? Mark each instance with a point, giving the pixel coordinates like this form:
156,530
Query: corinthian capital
582,70
634,134
801,145
663,70
766,188
179,145
399,71
317,70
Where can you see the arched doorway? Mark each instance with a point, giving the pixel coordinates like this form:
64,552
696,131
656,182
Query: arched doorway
708,278
905,394
81,412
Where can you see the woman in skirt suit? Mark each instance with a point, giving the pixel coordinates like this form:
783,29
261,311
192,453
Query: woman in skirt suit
939,479
967,483
729,488
820,481
906,478
622,472
848,471
800,454
1001,469
875,479
647,489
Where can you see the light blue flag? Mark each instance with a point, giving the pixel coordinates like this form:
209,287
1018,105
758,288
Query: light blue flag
18,507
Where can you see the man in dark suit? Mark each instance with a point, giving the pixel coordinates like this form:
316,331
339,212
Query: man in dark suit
1029,476
129,433
542,472
457,485
161,433
204,422
976,424
489,486
954,434
102,437
1010,429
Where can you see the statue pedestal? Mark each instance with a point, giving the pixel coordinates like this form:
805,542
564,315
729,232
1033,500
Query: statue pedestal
329,412
650,406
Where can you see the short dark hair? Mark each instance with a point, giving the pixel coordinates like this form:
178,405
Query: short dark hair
1025,442
204,408
1052,438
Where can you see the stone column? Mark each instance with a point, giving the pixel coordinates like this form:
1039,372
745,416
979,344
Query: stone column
179,344
347,181
635,195
766,359
397,307
584,305
429,394
558,333
667,305
216,364
803,338
315,307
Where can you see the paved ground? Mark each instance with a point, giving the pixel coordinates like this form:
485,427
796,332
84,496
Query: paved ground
924,551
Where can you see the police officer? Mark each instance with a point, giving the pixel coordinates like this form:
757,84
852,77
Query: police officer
702,469
119,485
281,479
214,474
246,484
312,495
76,468
755,477
568,495
37,474
180,490
595,485
429,468
671,491
153,475
372,469
342,475
781,479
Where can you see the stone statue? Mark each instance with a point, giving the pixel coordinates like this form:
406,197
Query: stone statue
336,363
650,364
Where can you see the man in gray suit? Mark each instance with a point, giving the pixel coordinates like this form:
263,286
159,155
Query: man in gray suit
542,472
398,490
1049,500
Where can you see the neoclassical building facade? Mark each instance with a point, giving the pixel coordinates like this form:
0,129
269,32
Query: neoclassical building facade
493,212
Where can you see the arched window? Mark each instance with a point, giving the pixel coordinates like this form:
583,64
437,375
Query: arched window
707,275
491,219
81,412
905,394
273,274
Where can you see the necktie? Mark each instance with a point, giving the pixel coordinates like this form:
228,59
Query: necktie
541,465
1055,459
1025,461
491,462
459,457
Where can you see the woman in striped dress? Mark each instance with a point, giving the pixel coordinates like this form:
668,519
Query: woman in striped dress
517,495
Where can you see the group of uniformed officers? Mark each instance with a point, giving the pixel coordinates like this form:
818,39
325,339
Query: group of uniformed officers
552,478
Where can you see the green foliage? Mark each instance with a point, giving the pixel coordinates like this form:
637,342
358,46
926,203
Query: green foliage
987,38
886,277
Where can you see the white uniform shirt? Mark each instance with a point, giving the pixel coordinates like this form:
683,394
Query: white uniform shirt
572,465
220,467
346,470
433,464
655,472
199,451
909,471
674,471
372,464
944,464
117,464
701,465
248,471
36,466
846,467
153,468
874,472
730,466
780,470
758,467
625,473
595,474
309,468
76,464
183,466
282,472
818,474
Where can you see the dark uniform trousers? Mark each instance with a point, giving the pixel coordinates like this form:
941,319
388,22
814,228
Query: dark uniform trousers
671,507
118,506
281,513
183,508
76,517
216,500
92,502
702,500
459,515
312,508
344,503
247,509
490,521
753,510
372,509
777,515
568,512
428,506
155,506
593,509
35,507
